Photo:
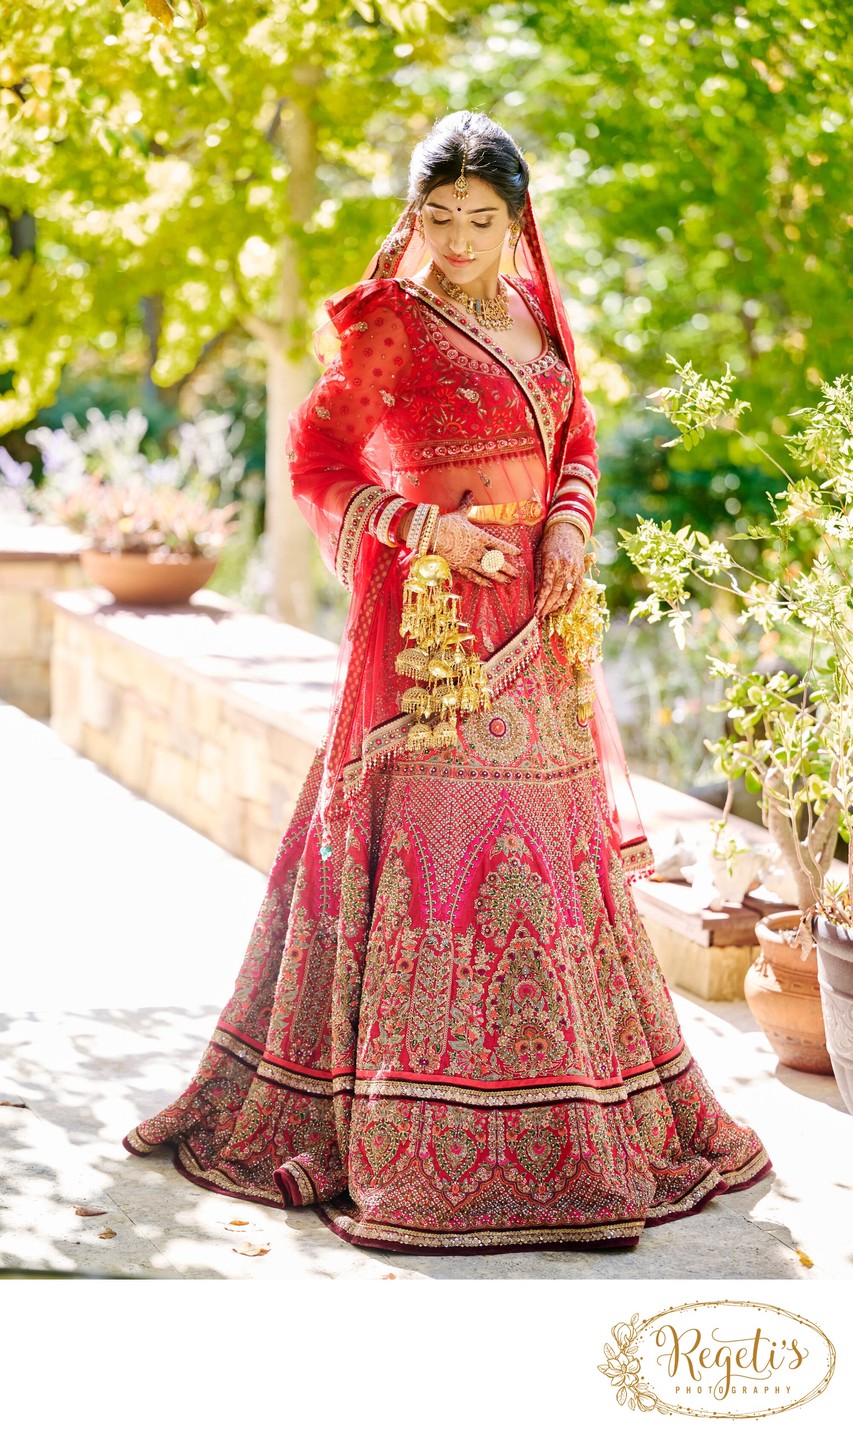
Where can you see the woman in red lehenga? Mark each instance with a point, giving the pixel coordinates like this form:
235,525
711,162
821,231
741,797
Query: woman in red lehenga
449,1031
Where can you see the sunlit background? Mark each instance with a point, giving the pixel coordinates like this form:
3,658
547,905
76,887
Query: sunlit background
181,191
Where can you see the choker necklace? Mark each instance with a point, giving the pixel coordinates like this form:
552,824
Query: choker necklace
490,313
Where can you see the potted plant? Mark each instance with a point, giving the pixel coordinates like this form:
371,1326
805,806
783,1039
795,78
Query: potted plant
790,734
152,520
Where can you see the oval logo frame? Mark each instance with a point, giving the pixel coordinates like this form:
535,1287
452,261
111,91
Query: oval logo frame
728,1363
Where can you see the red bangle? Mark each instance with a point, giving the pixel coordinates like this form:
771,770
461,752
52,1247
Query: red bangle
383,519
395,524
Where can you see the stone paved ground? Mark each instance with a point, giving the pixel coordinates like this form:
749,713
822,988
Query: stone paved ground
121,931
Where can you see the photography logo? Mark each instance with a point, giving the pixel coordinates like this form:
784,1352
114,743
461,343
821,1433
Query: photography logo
718,1359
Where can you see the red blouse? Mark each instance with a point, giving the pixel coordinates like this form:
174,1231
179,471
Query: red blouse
420,404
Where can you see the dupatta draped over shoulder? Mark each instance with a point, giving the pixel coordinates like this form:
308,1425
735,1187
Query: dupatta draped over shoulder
419,404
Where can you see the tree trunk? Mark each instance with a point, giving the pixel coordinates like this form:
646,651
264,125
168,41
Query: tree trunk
809,871
290,372
288,382
22,232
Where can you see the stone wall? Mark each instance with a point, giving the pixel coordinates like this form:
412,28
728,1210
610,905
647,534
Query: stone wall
34,559
209,712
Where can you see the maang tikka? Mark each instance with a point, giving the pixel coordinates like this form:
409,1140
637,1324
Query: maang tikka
460,184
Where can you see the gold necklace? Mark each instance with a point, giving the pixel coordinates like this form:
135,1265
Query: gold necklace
490,313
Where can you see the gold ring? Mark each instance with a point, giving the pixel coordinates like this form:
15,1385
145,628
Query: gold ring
492,561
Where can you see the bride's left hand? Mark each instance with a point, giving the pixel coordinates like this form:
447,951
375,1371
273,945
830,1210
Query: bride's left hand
559,569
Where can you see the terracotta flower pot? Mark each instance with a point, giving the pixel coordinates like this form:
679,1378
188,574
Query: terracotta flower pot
782,991
147,579
835,974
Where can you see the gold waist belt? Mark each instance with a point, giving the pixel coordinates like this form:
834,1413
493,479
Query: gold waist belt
516,511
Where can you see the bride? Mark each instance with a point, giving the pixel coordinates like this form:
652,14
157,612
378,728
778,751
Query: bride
449,1031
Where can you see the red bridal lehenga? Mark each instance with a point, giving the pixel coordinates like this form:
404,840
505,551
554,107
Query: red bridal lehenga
449,1031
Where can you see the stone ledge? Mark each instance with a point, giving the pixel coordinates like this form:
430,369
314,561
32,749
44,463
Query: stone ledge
212,713
34,558
24,542
269,670
702,950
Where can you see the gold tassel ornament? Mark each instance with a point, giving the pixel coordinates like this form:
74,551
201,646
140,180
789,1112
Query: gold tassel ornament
581,629
451,679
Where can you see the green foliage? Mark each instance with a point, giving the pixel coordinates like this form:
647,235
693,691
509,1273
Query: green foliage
692,165
158,162
698,405
643,478
791,735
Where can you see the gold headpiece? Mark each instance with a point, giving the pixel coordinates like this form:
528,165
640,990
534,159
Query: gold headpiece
460,185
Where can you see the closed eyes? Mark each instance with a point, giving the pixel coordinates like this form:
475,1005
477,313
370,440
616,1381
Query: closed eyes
439,224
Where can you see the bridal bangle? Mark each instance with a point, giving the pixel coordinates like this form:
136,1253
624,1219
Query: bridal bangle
388,519
430,530
422,529
579,522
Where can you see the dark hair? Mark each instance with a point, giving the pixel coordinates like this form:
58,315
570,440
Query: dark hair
490,154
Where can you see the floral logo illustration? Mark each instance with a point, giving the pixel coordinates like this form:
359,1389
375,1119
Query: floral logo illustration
718,1359
623,1367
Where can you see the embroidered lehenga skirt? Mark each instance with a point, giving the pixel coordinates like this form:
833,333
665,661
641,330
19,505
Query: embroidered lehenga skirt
451,1034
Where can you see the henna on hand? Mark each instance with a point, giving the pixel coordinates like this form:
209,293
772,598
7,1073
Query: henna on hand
559,569
463,544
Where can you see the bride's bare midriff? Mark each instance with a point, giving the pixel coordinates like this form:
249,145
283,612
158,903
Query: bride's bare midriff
502,489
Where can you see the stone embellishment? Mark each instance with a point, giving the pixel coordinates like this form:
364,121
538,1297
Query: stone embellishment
471,394
322,412
387,398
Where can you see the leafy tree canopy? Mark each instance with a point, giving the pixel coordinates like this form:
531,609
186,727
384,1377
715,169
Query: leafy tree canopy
691,164
154,161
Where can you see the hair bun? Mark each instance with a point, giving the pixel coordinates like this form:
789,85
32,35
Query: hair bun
490,154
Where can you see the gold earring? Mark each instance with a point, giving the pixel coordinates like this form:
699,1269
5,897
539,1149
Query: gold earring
514,232
419,223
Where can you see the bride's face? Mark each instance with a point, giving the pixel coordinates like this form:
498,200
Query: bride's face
465,235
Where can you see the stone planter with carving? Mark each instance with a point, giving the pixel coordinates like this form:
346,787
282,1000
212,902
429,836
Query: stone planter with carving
835,975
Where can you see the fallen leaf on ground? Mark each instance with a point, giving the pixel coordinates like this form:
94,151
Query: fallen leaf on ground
107,1232
250,1249
90,1211
388,1276
238,1222
7,1103
804,1258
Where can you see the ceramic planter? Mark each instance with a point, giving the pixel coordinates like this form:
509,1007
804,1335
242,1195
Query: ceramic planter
147,579
835,973
783,994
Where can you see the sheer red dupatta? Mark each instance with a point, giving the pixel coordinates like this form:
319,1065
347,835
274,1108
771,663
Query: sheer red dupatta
579,448
339,476
337,481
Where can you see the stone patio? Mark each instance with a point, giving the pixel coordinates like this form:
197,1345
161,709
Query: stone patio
122,930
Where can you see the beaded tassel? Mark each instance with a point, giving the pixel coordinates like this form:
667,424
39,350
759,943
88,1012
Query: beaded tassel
581,629
452,680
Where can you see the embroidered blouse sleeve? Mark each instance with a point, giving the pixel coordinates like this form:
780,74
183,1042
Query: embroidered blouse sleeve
337,490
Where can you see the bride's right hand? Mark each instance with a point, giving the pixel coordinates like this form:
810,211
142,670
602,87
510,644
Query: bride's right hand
463,544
